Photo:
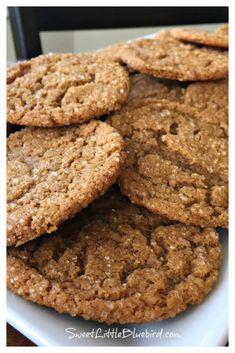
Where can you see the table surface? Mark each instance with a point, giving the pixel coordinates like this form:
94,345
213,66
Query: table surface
16,339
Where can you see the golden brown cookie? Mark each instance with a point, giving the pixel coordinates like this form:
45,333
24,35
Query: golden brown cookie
211,99
63,89
175,60
198,36
223,29
176,163
54,173
117,263
111,52
145,86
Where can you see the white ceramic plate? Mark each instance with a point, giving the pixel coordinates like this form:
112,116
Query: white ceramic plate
200,325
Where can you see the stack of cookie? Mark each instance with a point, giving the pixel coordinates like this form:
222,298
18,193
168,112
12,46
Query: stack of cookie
153,116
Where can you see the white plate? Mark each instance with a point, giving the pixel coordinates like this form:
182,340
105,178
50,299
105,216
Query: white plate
201,325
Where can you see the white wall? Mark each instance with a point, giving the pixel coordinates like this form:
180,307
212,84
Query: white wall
78,41
81,41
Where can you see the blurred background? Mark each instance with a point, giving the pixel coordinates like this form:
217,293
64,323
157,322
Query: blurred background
35,30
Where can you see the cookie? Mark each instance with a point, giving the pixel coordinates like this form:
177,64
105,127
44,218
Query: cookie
211,99
176,163
175,60
165,36
145,86
54,173
215,39
111,52
117,263
62,89
223,29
